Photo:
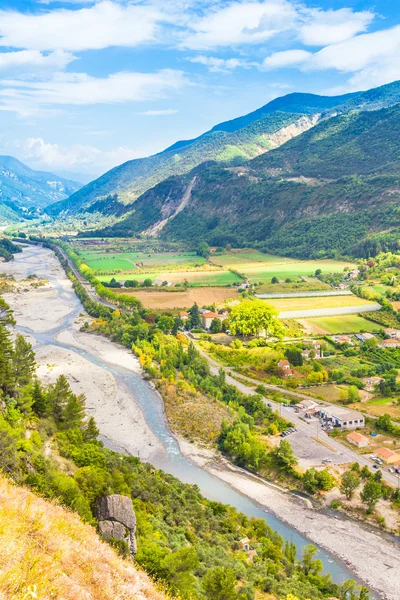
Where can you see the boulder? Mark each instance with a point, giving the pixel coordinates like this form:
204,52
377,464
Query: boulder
117,519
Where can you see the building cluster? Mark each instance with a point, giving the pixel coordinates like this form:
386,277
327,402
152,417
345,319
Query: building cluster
331,415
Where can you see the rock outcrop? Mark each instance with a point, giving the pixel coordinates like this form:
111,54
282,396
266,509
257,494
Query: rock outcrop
117,519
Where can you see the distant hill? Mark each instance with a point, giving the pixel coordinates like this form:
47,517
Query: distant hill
319,194
23,190
231,143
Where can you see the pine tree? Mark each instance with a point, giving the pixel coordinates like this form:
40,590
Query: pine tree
23,362
6,351
40,404
59,397
74,412
195,319
91,432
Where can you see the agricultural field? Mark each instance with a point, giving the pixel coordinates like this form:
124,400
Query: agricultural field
337,325
289,304
204,296
259,267
98,260
200,278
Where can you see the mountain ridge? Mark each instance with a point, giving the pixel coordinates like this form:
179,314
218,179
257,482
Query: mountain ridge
24,190
320,193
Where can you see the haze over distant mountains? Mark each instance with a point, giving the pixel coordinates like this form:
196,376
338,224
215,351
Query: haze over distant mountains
24,190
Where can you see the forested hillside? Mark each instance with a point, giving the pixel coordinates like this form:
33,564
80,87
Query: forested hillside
319,194
232,142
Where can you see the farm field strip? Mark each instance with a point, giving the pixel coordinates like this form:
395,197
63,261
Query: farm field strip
343,324
204,296
326,312
315,294
324,302
196,278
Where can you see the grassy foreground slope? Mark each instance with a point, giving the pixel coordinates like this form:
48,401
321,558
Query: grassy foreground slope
319,194
48,552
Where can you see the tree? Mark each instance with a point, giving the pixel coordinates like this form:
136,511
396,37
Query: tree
216,326
74,412
350,482
91,432
59,396
40,404
309,564
147,283
195,319
370,494
23,361
203,249
165,323
274,280
294,356
219,584
283,454
254,317
6,317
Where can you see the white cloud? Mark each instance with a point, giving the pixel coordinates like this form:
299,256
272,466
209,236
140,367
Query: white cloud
239,23
33,59
82,89
100,26
220,65
321,28
158,113
287,58
373,59
78,157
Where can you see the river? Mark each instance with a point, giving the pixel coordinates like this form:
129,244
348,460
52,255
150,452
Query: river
170,459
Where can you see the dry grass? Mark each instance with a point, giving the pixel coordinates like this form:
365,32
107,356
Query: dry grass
48,553
203,296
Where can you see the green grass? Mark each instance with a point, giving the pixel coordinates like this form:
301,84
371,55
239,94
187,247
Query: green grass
125,261
315,303
344,324
195,278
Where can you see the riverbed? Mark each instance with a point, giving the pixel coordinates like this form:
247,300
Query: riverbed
131,418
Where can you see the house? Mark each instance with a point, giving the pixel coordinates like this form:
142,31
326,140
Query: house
353,274
245,544
183,315
371,382
306,405
357,439
388,456
342,417
157,282
391,343
342,286
363,337
317,347
207,318
392,333
342,339
284,366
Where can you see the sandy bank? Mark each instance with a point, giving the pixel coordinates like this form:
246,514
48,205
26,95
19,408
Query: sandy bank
375,560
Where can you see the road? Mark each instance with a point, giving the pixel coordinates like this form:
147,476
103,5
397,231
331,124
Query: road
304,442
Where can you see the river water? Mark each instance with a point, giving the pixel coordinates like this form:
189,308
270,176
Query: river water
171,459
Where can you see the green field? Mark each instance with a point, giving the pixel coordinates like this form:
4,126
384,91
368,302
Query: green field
344,324
259,267
126,261
196,278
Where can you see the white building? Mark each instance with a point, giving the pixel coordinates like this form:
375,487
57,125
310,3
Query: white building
342,417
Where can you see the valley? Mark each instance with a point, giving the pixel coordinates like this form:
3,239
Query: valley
138,424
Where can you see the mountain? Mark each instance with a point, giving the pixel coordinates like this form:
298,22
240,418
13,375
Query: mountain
323,192
232,142
23,190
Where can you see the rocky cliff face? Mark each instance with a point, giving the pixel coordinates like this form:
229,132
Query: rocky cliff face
117,519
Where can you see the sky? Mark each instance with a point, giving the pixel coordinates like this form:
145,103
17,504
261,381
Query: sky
87,85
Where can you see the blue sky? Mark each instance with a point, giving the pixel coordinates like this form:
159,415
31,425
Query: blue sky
86,85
